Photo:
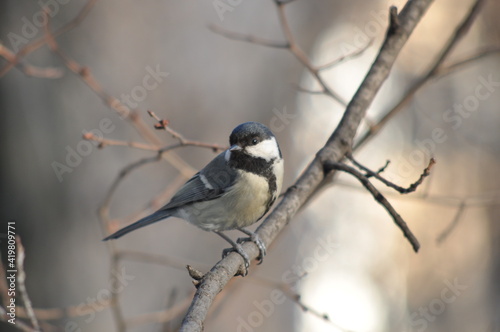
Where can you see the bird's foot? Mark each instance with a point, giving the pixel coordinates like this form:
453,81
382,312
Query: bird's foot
239,249
255,238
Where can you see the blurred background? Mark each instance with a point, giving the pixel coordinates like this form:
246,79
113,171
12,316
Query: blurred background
342,254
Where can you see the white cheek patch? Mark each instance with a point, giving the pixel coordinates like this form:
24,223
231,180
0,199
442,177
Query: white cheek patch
227,155
267,149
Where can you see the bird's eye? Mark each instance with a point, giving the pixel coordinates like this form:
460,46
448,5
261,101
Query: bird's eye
255,141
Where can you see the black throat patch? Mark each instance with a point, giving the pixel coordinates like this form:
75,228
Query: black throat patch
258,166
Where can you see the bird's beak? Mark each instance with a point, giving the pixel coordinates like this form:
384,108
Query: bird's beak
235,147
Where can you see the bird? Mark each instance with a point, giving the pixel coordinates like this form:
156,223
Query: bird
233,191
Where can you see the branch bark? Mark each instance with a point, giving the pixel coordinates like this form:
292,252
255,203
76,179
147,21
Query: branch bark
432,72
339,143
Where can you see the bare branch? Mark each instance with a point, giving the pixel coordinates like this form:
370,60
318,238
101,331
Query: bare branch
150,258
302,57
459,33
379,198
160,316
103,142
107,224
380,170
40,42
290,45
30,70
21,279
163,124
443,71
312,92
297,299
113,103
451,227
246,38
346,57
20,324
426,172
4,287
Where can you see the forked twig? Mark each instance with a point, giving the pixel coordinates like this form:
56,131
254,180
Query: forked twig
398,220
426,172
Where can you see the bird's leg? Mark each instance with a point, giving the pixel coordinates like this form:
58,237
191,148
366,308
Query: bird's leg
255,238
235,247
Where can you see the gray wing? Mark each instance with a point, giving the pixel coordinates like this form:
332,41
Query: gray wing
209,183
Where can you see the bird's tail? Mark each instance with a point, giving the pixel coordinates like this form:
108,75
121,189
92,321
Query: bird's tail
152,218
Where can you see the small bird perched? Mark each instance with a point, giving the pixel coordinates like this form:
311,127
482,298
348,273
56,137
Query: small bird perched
235,190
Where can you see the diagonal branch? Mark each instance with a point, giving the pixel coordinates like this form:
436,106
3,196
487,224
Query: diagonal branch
379,198
478,55
456,219
21,282
432,72
334,150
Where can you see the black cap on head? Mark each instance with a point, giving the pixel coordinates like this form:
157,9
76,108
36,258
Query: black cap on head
247,132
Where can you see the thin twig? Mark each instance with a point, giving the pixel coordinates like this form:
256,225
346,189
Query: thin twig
290,44
4,287
117,311
113,103
61,313
21,283
492,200
297,299
171,300
150,258
246,38
289,289
458,64
122,174
20,324
451,227
312,92
380,170
379,198
31,47
163,124
160,316
30,70
103,142
159,200
350,56
302,57
425,173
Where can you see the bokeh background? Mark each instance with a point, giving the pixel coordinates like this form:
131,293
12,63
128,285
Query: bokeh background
342,253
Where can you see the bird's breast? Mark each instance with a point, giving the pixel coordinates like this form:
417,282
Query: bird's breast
247,199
